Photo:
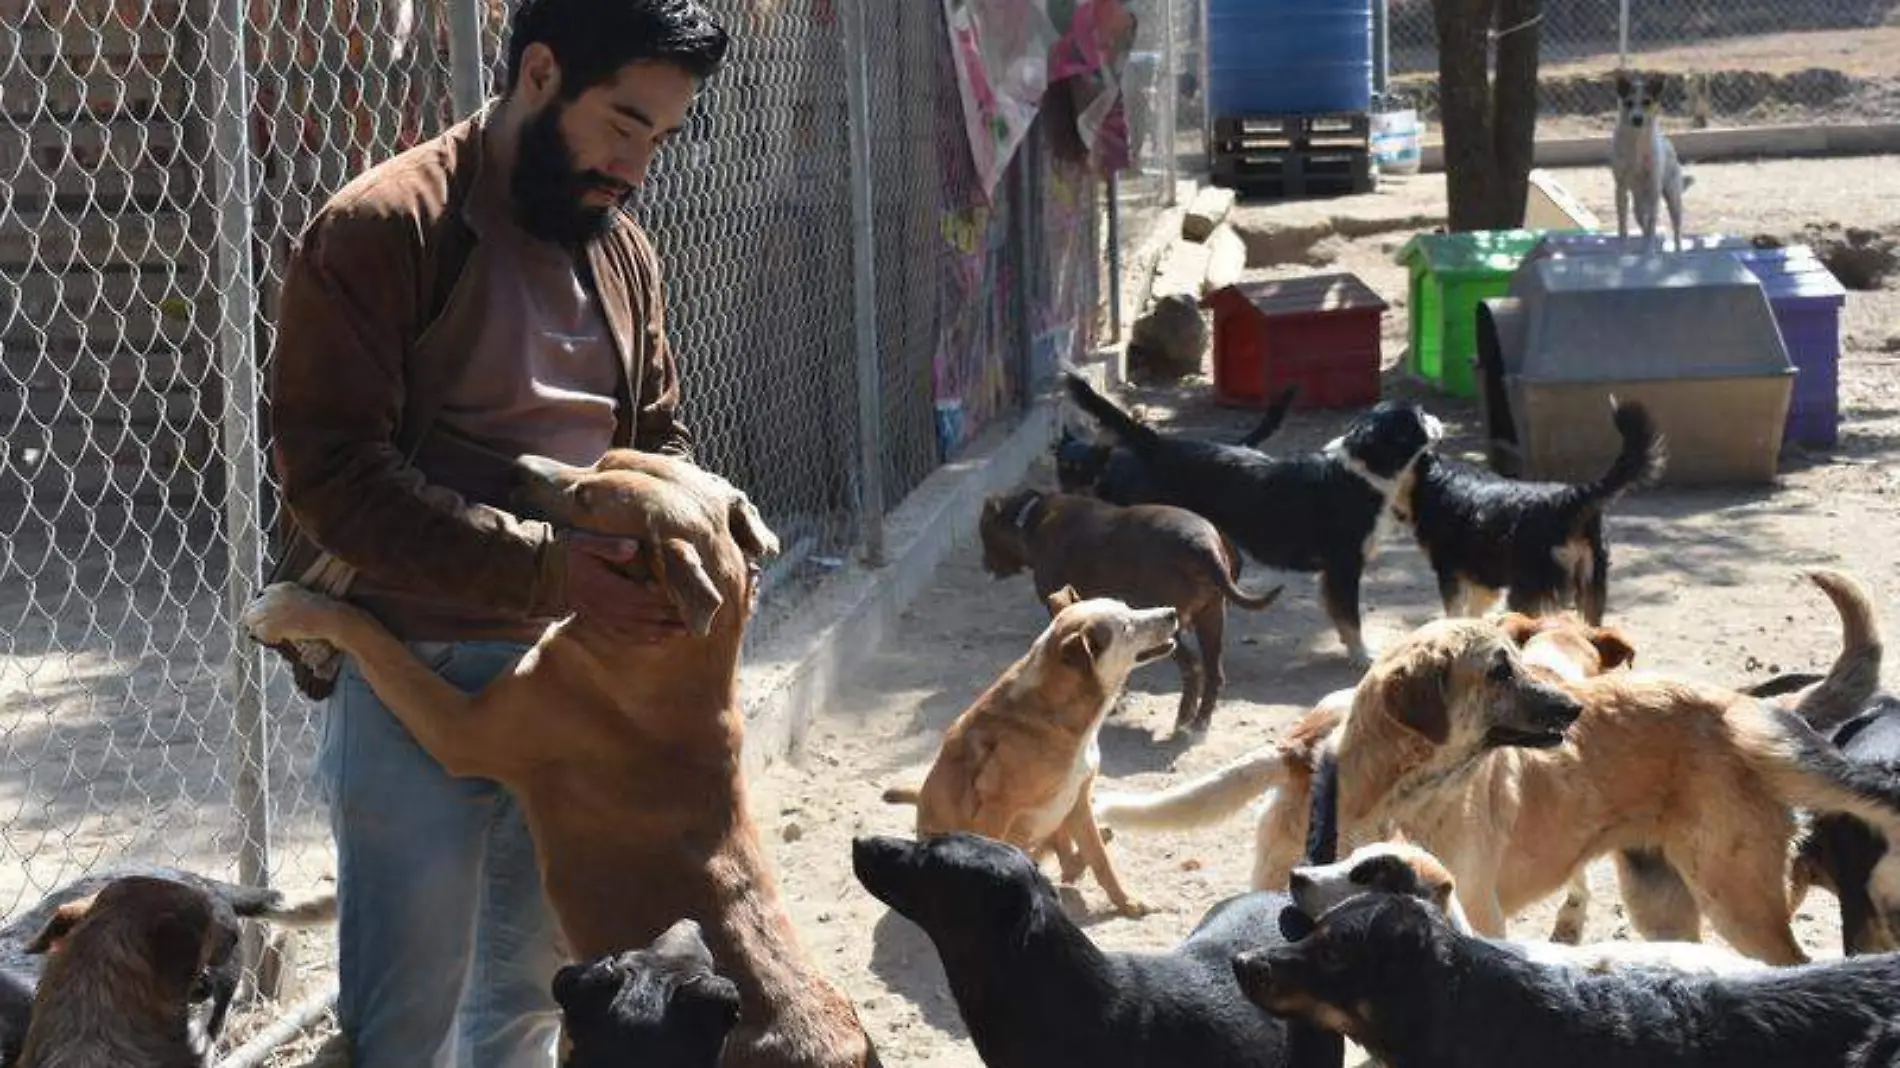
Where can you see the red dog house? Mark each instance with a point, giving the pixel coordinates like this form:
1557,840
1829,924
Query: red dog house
1319,332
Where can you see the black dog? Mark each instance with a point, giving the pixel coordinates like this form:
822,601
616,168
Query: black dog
1838,851
1117,475
1389,972
658,1007
22,961
1543,540
1035,992
1314,512
1881,1050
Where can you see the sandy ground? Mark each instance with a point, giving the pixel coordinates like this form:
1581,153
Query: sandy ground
1702,579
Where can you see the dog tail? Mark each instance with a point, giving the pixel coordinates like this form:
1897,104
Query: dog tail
1640,462
1224,581
258,903
1198,802
902,795
1139,437
1270,422
1851,682
1808,771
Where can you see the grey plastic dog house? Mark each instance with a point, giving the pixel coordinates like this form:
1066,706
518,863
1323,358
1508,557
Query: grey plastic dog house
1692,337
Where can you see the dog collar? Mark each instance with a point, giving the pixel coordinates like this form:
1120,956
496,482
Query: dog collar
1029,508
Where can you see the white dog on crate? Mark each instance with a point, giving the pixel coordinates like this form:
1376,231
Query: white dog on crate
1643,161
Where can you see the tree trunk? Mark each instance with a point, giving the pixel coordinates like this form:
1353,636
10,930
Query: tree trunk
1489,130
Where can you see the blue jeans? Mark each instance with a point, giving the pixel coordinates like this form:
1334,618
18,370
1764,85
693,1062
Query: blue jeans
447,947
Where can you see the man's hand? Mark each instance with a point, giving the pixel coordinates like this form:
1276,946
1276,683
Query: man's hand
602,587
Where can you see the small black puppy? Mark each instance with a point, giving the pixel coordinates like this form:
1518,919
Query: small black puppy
1389,972
1320,511
1483,532
658,1007
1035,992
1117,475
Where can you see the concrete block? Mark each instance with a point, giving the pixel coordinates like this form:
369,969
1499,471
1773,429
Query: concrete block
1207,211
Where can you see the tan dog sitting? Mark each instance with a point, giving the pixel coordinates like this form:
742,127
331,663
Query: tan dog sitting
626,757
1020,763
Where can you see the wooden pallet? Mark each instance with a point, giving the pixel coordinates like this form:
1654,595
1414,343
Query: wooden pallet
1295,172
1344,129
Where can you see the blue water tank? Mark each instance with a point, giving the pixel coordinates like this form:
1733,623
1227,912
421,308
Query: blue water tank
1277,57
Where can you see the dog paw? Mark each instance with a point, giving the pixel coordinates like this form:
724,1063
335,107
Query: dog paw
1567,930
1135,909
285,611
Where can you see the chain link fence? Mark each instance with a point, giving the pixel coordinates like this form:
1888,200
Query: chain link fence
148,200
1731,63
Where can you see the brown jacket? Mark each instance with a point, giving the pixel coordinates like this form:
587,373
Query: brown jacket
378,308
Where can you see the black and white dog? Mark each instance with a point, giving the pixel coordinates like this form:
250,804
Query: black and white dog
1389,972
1321,511
1543,541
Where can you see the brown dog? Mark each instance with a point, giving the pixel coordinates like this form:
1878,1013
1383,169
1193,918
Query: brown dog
1704,777
1554,647
1146,555
123,971
626,758
1019,764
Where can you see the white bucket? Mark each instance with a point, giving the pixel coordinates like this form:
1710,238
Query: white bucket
1397,141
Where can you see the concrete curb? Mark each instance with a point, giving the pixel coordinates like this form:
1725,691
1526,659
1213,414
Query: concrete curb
785,681
1711,145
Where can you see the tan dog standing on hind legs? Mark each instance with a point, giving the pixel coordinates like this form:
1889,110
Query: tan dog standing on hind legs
626,757
1019,764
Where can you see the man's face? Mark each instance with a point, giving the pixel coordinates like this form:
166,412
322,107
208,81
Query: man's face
579,159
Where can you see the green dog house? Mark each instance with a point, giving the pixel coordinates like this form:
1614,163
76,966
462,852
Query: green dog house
1450,274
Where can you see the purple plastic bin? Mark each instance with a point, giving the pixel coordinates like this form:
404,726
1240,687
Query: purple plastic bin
1806,299
1804,296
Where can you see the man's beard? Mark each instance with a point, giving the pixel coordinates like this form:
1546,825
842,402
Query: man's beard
547,186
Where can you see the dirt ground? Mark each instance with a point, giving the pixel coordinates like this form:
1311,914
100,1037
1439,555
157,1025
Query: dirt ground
1704,580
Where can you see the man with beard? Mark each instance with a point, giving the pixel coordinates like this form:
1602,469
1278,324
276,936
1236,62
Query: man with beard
480,296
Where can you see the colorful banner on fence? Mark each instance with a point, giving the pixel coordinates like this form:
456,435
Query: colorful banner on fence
1002,55
1097,36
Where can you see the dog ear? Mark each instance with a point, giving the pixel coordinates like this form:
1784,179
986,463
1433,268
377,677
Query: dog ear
682,575
1061,599
710,1001
1413,694
1653,86
1623,84
1519,627
1612,647
52,937
749,530
1084,646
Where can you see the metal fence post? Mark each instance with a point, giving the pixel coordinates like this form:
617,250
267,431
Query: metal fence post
1622,34
1169,91
231,167
1114,194
864,282
1023,298
466,74
1381,46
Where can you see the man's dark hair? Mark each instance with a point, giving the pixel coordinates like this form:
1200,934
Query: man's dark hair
593,39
